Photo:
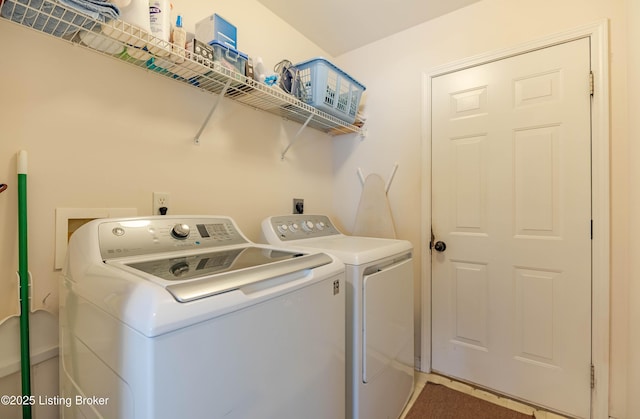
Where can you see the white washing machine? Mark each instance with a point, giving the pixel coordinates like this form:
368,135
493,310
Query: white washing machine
380,353
183,317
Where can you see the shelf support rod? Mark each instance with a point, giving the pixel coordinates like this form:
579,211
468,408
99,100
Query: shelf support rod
296,136
213,108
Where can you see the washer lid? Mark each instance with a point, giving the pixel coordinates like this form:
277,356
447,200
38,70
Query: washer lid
193,276
191,266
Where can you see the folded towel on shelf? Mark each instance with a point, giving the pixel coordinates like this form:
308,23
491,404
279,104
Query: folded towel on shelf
45,16
97,9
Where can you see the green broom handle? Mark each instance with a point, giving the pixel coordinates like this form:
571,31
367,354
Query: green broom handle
23,270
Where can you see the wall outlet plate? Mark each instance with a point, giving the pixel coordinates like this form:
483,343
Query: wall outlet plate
298,206
160,200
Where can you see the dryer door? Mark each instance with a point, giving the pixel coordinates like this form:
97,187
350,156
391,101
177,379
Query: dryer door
387,320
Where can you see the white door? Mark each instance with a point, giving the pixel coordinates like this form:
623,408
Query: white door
511,193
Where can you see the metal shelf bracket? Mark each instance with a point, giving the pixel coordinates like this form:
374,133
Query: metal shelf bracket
213,108
296,136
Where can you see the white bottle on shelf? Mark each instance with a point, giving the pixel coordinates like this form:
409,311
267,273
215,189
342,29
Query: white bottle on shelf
160,23
160,19
259,70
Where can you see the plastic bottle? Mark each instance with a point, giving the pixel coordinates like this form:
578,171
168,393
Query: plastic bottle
135,12
259,70
179,41
160,24
160,19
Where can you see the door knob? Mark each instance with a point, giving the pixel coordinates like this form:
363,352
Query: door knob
440,246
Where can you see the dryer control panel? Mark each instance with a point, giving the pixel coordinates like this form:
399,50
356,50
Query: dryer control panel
142,236
299,226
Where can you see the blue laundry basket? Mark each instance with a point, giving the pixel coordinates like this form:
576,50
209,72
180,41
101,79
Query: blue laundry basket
327,88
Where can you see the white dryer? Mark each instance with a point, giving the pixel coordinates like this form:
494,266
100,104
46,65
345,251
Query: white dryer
380,335
183,317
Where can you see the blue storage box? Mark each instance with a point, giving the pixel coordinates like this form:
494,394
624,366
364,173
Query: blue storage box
217,28
327,88
229,58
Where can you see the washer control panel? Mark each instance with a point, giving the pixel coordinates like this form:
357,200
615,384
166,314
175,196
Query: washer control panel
299,226
142,236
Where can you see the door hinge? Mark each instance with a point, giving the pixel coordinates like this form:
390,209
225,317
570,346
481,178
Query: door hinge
593,377
591,83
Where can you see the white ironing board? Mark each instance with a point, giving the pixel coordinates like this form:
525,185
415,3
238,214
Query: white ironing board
373,218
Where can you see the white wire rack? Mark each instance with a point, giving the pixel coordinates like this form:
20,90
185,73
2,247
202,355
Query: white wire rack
124,42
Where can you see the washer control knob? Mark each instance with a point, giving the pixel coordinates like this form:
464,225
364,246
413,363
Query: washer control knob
179,269
283,228
294,227
180,231
320,225
307,225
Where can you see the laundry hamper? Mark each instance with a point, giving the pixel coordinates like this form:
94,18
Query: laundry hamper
327,88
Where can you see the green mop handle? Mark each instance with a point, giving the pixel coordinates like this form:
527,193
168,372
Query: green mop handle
23,270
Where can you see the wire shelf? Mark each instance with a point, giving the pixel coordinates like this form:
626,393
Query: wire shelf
127,43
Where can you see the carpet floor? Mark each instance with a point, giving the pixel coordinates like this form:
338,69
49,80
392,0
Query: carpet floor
440,402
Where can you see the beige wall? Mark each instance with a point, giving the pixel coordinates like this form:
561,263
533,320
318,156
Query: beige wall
392,69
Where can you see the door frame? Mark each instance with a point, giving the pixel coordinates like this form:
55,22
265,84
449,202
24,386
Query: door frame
600,200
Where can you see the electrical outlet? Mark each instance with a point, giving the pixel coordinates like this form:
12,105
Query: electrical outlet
298,206
160,203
